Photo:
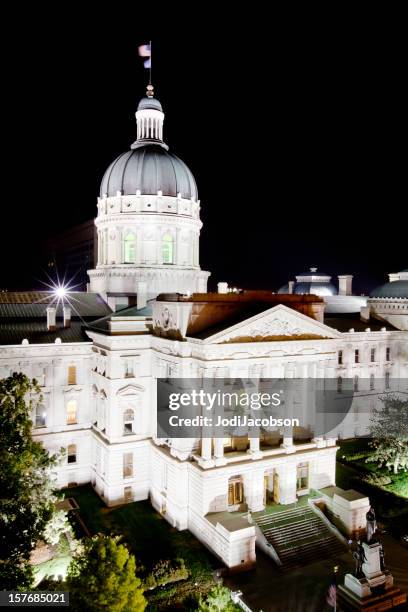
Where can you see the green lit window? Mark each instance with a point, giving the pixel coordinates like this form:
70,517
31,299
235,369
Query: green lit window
167,249
302,473
130,248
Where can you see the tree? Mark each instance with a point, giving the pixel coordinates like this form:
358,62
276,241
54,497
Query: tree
102,576
27,501
389,430
218,600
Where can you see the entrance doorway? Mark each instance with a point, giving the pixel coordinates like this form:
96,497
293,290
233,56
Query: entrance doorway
271,487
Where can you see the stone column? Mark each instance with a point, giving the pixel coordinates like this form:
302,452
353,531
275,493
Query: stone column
205,460
287,483
219,458
254,490
254,449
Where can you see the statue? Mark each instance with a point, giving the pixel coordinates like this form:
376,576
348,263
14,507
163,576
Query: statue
359,557
371,525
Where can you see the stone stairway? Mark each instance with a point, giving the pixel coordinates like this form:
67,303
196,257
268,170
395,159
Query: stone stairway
299,536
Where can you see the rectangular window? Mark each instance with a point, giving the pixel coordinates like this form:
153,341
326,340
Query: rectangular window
340,358
339,384
357,356
71,412
129,369
387,380
388,354
356,383
235,492
40,416
72,375
372,355
127,465
72,453
372,382
302,471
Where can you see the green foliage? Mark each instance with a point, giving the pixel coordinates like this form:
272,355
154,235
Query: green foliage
102,577
377,479
217,600
27,498
166,571
389,429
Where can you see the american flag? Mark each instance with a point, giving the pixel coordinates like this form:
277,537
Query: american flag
332,592
145,50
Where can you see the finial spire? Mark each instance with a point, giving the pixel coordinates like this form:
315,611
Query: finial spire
150,91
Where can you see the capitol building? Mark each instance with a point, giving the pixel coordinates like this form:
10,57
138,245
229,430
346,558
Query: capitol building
147,315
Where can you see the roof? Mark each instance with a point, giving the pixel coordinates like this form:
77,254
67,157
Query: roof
394,289
345,322
149,168
102,325
149,103
34,304
23,316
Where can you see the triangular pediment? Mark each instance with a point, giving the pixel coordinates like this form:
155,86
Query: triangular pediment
279,323
129,390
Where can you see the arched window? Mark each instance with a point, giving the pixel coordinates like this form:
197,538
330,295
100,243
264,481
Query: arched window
130,248
167,249
128,418
71,412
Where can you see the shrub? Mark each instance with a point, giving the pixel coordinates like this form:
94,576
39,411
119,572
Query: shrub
166,571
377,479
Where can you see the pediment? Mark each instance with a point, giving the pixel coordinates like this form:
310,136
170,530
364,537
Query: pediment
129,390
279,323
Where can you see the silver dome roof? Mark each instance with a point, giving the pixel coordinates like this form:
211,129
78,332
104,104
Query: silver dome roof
149,168
395,289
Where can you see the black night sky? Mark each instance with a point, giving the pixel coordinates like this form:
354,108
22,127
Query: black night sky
296,136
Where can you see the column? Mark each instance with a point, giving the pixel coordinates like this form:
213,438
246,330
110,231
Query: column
219,458
287,483
254,449
205,461
254,490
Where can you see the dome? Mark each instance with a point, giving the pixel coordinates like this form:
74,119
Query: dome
316,288
311,282
149,103
395,289
149,168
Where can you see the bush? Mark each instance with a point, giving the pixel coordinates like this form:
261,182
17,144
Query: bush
377,480
165,572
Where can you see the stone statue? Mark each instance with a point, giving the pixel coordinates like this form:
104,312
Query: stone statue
371,525
359,557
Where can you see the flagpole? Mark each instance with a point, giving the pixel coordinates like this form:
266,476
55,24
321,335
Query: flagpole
150,69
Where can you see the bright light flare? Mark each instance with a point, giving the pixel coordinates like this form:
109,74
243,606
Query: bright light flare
60,292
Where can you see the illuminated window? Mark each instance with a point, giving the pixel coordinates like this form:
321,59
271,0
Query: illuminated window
71,412
40,416
302,471
128,418
340,358
235,491
356,356
388,354
130,248
167,249
127,465
372,355
72,375
72,453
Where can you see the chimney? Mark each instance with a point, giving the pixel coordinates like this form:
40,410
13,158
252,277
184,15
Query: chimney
345,284
290,286
67,316
51,318
222,287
